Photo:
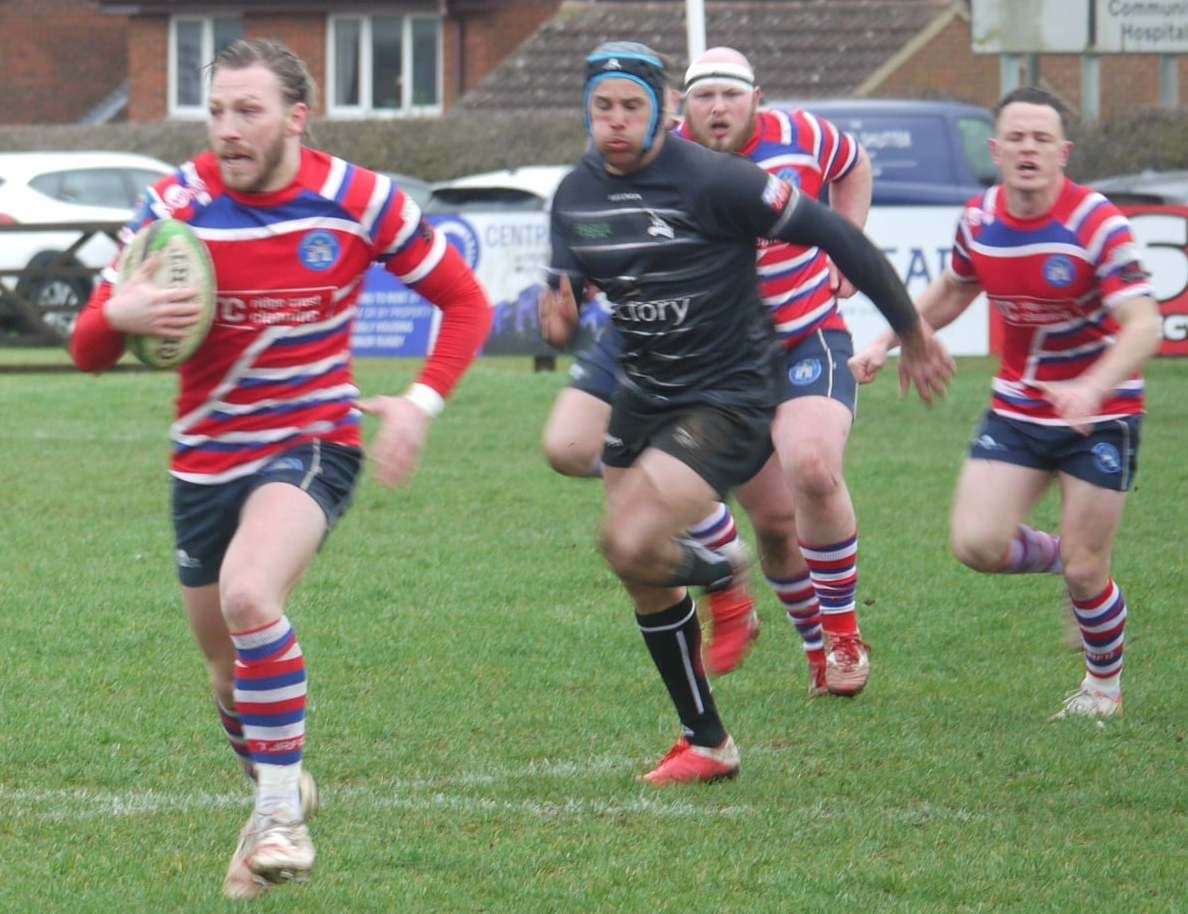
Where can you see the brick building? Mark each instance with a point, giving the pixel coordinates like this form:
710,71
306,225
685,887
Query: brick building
142,60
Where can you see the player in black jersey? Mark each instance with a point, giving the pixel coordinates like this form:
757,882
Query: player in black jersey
667,230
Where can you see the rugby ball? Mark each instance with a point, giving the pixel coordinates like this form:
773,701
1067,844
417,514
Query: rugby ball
185,263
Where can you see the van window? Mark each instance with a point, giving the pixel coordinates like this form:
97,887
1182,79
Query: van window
903,147
975,133
503,199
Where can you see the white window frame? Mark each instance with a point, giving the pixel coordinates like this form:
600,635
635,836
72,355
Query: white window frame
364,109
190,112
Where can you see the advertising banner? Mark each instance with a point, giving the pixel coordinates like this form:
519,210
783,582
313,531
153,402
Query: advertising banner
1163,233
508,252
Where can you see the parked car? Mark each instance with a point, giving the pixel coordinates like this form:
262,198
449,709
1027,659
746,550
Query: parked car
525,189
921,152
1168,188
414,187
49,187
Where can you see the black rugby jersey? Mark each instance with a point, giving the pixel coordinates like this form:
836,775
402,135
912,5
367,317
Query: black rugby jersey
673,248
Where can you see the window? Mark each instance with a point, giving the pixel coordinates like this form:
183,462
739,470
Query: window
193,43
975,142
384,66
85,187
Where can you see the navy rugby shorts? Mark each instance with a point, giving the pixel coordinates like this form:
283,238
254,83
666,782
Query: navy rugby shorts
818,366
595,366
1107,457
205,517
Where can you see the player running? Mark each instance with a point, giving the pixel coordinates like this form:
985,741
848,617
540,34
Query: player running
1060,264
266,446
667,230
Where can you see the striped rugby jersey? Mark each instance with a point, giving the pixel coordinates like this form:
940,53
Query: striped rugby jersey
1054,280
808,152
275,370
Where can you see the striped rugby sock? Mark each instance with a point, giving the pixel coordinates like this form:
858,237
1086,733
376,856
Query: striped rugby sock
270,692
717,532
799,599
1033,552
1102,620
834,569
233,728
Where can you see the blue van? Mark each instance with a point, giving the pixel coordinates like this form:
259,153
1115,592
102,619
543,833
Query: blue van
921,152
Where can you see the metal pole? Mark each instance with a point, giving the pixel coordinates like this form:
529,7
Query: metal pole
1169,80
695,27
1008,72
1090,88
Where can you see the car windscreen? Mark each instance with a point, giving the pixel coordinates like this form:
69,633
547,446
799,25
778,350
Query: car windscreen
902,147
85,187
498,199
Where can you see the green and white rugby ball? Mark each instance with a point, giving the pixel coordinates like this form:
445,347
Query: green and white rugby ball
185,263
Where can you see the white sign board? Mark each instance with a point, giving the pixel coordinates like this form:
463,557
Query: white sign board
917,240
1064,26
1142,26
1030,26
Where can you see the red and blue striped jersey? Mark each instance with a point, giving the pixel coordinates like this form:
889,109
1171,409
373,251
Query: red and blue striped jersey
275,370
1055,280
808,152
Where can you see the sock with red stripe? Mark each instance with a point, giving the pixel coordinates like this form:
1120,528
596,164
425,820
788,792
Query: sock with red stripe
834,569
717,532
1033,552
1102,620
799,599
270,701
233,728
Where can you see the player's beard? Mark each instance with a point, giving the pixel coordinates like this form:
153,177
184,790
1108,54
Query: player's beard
269,159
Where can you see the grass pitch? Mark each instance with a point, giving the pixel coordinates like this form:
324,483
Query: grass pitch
480,700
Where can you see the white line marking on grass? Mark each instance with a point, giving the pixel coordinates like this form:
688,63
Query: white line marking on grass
70,805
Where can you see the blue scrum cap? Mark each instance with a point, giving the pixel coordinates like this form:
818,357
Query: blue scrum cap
628,60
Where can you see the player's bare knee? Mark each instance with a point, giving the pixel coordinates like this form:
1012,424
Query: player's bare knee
627,552
814,475
979,551
247,605
1086,573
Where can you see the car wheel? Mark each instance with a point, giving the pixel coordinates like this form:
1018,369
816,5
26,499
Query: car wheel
56,298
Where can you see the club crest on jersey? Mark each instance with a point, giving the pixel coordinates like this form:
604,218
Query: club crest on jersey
176,197
1059,271
805,372
791,175
776,193
1107,458
319,250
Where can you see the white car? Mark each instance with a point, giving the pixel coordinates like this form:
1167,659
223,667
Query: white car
514,189
54,187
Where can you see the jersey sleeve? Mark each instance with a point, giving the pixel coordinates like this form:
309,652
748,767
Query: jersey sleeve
836,151
1115,257
416,253
737,198
562,260
95,345
961,267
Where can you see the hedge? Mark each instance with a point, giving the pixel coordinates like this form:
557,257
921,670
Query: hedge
440,148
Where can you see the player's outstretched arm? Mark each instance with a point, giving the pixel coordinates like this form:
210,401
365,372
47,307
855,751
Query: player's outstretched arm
925,364
1138,339
939,305
558,313
396,448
